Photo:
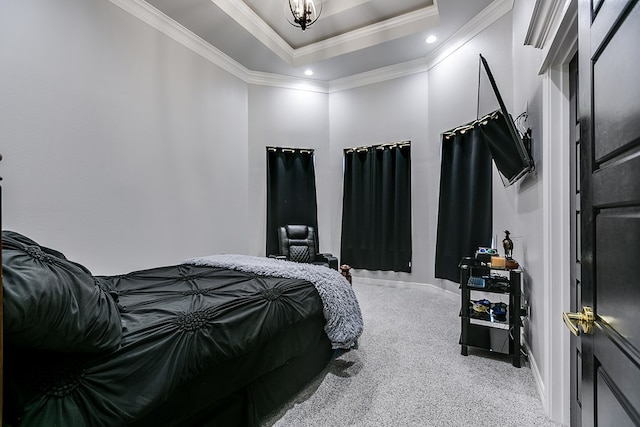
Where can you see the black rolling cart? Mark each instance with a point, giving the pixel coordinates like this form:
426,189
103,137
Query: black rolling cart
487,324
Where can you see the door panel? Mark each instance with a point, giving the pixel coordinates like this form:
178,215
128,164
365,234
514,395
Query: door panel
609,111
605,18
610,410
622,377
617,239
617,184
615,96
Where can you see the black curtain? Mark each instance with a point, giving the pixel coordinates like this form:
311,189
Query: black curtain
465,206
291,192
376,210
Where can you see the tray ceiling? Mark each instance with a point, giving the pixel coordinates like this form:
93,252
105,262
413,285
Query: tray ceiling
351,36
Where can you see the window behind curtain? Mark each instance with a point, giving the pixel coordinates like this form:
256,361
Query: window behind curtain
465,206
291,192
376,211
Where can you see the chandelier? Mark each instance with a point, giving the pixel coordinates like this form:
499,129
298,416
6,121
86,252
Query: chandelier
303,13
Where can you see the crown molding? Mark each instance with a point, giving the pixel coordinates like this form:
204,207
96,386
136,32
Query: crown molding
358,39
161,22
564,41
380,75
545,13
475,26
275,80
250,21
156,19
483,20
368,36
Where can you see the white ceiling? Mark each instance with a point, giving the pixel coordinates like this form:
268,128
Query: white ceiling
351,37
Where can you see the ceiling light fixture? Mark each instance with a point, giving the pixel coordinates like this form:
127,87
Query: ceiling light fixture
308,73
431,39
303,13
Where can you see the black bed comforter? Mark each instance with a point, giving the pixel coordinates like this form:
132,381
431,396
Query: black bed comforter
197,342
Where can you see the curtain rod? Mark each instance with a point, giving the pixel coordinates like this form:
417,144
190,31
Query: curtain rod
462,129
400,144
291,150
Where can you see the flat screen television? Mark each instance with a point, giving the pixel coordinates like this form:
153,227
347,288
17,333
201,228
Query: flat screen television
508,149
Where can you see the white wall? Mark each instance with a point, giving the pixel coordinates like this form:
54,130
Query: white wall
525,199
121,148
454,98
287,118
541,204
419,108
390,111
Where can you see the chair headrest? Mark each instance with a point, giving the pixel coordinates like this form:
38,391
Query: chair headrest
298,231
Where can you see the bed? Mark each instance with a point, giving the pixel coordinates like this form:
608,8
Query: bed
213,341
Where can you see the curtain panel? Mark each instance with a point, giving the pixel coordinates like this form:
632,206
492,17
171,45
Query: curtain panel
376,210
465,205
291,192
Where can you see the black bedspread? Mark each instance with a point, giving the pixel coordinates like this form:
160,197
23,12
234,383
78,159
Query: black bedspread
200,346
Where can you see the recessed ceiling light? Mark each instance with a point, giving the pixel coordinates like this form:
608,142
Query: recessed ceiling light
308,73
431,39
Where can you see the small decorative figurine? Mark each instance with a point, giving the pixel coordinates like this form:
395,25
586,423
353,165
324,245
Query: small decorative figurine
345,270
507,244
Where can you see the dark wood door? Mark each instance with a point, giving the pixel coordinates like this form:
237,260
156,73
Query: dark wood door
609,109
576,282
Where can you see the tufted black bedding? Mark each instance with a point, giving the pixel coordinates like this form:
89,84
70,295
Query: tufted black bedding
170,346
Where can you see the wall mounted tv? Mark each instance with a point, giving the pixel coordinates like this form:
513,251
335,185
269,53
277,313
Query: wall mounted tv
507,145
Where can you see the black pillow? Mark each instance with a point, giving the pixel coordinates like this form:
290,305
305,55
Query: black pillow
51,303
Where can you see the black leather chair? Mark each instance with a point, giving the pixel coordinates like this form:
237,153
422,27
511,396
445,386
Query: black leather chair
299,243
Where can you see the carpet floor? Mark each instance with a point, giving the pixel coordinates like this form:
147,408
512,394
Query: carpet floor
408,371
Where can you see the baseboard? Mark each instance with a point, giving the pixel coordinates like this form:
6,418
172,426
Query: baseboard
453,290
535,371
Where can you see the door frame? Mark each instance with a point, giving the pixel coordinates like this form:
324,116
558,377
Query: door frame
558,50
557,241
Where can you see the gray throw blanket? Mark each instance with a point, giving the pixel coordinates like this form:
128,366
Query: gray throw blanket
341,310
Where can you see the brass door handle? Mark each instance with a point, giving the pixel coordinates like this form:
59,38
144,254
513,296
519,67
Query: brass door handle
577,321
